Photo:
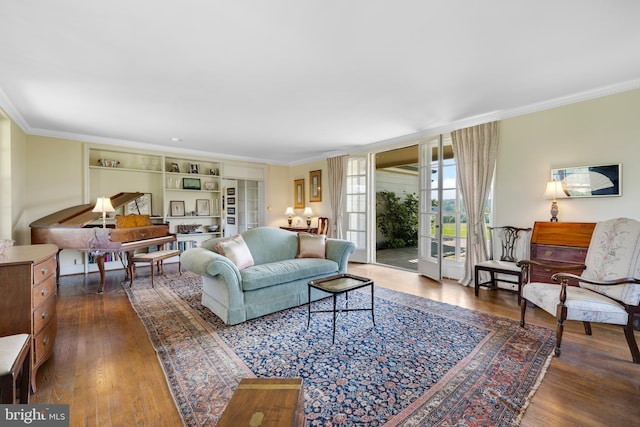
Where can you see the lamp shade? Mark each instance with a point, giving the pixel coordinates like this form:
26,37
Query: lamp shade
289,211
554,190
307,212
103,204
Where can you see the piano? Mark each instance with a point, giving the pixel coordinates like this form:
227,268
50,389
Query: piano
76,228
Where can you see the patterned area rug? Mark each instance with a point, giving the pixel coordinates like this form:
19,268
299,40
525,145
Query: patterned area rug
425,363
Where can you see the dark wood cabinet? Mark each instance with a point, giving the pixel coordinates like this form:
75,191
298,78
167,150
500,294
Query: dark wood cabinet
28,298
558,244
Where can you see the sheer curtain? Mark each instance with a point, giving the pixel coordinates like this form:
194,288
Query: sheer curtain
337,169
475,149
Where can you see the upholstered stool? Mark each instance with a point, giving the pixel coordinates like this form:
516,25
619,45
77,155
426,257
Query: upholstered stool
155,259
15,368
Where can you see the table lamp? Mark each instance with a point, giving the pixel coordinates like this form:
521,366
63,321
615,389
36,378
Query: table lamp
308,213
103,204
554,191
290,213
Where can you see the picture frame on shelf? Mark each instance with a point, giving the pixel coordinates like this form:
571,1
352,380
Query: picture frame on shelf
203,207
298,194
191,183
194,168
175,168
315,186
176,208
140,206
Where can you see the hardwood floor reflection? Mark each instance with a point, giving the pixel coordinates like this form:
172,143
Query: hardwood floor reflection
105,368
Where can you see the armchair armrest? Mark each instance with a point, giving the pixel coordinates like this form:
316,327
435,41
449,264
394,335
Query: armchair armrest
561,277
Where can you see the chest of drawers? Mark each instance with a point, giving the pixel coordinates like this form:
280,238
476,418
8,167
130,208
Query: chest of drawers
28,298
558,244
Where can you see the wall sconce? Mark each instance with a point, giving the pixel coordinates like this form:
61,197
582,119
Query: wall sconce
103,204
308,213
290,213
554,191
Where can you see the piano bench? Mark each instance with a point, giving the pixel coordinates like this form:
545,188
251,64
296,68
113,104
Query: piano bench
152,258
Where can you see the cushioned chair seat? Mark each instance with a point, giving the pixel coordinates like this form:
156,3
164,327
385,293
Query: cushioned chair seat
582,304
273,273
500,265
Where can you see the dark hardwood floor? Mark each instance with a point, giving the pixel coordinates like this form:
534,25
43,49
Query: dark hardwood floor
105,368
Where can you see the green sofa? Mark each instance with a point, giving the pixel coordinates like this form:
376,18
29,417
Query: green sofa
277,280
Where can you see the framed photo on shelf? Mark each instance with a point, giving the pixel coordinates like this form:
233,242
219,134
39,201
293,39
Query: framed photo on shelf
175,167
231,211
140,206
176,208
298,194
203,208
315,186
194,168
191,183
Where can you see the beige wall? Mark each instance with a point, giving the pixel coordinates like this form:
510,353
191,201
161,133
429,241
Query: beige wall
50,171
12,181
600,131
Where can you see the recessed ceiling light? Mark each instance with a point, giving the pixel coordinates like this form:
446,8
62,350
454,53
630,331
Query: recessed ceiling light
176,139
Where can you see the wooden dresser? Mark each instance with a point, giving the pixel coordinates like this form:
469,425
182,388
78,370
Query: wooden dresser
558,244
28,298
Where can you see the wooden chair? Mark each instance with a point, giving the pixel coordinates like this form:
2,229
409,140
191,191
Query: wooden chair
508,244
607,290
15,368
323,225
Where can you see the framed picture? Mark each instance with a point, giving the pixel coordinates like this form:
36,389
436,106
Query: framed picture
315,186
194,168
590,181
176,208
231,220
298,194
231,211
203,208
174,167
140,206
231,201
191,183
231,191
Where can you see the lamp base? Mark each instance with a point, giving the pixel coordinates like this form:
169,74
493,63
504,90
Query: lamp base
554,211
289,221
308,223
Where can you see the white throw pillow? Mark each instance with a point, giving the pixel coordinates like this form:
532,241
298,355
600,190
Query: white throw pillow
312,245
236,249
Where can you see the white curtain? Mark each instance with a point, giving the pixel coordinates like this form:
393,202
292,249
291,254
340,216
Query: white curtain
337,169
475,150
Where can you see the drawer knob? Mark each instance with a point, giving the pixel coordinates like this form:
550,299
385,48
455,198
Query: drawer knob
548,253
43,292
44,271
547,270
45,341
44,314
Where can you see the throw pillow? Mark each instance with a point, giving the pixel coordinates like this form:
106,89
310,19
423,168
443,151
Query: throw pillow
236,249
312,245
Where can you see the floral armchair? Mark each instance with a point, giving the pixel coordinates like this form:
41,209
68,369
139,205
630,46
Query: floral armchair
609,286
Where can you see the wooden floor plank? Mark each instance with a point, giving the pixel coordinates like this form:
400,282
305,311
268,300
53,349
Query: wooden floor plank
105,367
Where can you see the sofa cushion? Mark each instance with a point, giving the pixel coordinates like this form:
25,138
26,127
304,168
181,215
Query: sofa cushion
236,250
312,245
274,273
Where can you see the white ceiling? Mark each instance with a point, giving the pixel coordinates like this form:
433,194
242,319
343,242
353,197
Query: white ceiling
287,81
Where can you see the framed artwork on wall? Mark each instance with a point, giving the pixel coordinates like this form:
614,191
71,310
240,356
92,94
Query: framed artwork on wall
590,181
315,186
298,194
